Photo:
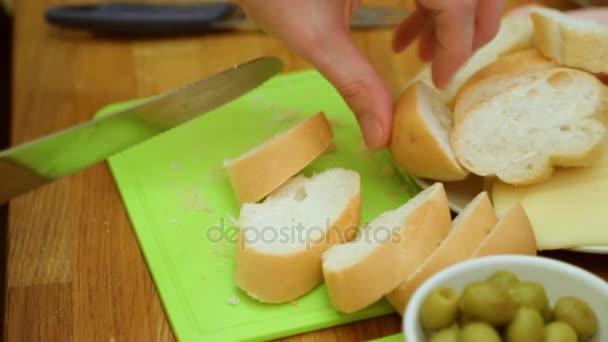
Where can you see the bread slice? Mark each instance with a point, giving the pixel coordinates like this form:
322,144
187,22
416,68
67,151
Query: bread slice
490,80
420,143
261,170
522,133
469,228
386,251
571,41
515,33
281,240
512,234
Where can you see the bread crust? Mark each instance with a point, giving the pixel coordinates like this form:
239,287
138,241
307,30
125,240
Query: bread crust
569,45
414,146
513,234
260,171
360,285
274,278
467,232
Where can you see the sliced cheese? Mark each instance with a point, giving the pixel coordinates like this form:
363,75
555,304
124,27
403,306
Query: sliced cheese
567,211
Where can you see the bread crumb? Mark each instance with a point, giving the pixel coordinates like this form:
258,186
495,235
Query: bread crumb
331,148
392,194
233,300
216,169
287,117
335,123
294,303
173,220
174,165
388,171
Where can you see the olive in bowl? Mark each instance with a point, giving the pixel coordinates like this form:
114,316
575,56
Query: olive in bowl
509,298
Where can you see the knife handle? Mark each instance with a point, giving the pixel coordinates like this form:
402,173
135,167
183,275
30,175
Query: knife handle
139,18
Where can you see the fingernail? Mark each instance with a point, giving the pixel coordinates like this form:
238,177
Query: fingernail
372,130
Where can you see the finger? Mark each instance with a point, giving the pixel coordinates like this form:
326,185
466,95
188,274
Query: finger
596,14
487,21
426,46
409,29
454,28
340,61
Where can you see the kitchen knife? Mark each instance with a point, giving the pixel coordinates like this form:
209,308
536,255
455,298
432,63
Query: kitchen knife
152,19
31,165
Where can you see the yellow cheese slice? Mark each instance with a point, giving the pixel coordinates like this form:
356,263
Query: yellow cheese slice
570,210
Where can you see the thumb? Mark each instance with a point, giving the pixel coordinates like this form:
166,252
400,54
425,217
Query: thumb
360,85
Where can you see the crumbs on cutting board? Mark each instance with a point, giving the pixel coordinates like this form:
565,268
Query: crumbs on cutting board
234,300
174,165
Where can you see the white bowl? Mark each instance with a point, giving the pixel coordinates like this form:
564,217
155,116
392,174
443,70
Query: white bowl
558,278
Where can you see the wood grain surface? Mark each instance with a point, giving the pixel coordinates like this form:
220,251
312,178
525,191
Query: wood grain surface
75,271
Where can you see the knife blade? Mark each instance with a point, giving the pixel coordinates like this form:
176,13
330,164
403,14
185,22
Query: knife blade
154,19
44,160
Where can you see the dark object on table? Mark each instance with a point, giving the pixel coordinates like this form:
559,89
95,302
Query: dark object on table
154,19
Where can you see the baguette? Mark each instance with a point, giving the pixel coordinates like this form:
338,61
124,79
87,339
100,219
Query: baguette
513,234
571,41
281,240
523,132
261,170
420,143
386,251
469,228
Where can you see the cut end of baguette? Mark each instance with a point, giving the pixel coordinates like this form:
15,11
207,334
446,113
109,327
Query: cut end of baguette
571,41
282,239
386,250
420,143
513,234
522,133
469,228
261,170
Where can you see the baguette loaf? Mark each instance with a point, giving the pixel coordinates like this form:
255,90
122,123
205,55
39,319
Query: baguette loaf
281,240
512,234
571,41
386,251
469,228
420,143
515,33
258,172
520,134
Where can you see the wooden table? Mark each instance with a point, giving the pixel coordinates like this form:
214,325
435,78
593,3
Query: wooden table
75,271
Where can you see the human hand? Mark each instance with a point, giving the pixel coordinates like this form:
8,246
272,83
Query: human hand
319,32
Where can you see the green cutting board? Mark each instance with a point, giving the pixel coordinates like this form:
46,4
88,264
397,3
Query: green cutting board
177,195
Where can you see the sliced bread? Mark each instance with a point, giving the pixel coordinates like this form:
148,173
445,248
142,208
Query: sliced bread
420,143
282,239
469,228
261,170
490,80
571,41
512,234
556,118
386,251
515,33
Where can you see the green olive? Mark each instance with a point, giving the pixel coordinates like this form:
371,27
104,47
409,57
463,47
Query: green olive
451,334
578,314
560,332
439,309
527,326
487,302
504,279
532,295
479,332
